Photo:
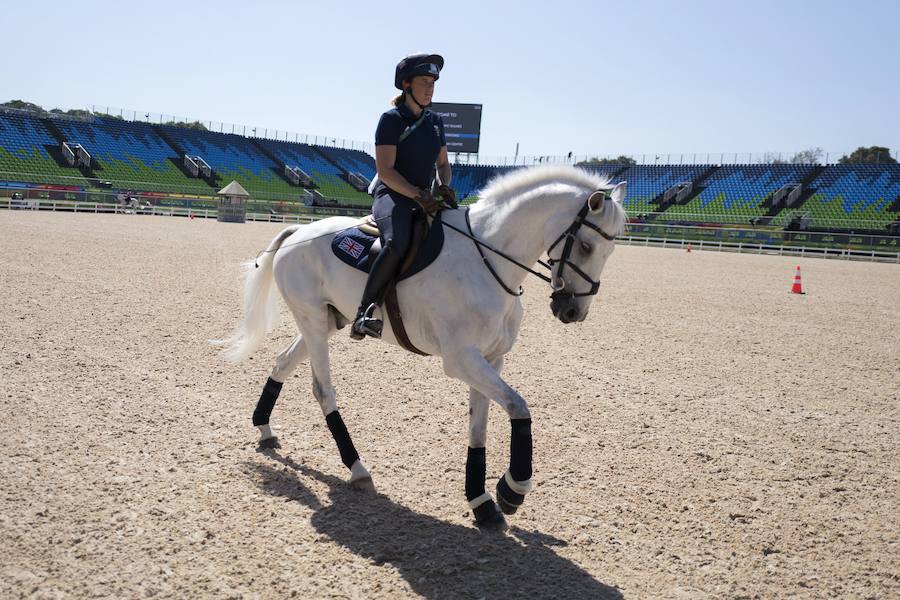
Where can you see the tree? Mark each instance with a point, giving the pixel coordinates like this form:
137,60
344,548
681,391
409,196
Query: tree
22,105
621,160
75,112
872,154
192,125
772,158
810,156
31,107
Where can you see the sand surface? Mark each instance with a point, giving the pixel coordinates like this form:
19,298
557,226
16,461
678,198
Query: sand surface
704,434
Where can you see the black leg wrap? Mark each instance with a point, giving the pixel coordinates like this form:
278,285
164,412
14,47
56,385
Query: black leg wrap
342,438
520,450
475,473
509,500
266,402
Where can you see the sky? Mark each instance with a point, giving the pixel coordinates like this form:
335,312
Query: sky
593,78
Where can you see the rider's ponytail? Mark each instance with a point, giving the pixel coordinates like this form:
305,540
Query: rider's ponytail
397,100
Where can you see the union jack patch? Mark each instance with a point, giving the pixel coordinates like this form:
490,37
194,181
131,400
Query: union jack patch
351,247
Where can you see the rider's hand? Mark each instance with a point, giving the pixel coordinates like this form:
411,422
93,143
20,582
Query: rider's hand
427,202
449,196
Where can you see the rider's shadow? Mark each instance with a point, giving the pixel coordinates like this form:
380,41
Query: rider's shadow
437,559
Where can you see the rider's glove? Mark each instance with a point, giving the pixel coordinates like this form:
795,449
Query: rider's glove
448,195
428,203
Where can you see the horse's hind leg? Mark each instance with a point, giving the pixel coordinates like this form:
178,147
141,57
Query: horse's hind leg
285,363
316,337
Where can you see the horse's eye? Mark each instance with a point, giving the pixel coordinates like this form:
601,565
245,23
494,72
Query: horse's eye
586,248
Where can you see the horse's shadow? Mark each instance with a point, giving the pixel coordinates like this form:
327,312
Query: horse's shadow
437,559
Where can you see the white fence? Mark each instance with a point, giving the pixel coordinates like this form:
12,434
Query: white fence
751,248
718,246
168,211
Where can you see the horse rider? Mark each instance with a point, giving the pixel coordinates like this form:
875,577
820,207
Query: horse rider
409,144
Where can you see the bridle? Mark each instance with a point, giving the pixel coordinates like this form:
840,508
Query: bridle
563,260
568,235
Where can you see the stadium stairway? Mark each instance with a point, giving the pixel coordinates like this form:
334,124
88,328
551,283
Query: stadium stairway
273,157
331,160
895,207
56,153
695,191
180,150
808,191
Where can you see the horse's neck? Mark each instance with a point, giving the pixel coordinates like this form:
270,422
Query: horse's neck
516,228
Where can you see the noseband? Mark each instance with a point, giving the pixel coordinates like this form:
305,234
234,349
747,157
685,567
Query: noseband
568,235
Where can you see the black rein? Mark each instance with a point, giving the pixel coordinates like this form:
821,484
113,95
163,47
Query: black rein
569,235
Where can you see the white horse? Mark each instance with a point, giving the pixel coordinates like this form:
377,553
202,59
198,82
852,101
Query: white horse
463,307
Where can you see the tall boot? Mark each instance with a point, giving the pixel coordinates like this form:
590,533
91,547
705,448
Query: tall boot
383,271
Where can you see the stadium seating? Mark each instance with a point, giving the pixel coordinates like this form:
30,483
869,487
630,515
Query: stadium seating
646,182
468,180
737,192
24,156
354,161
233,157
129,152
854,196
147,157
327,176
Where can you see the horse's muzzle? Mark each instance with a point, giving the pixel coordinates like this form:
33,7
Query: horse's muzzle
566,309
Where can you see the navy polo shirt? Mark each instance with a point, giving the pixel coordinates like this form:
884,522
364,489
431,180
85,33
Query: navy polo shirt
417,153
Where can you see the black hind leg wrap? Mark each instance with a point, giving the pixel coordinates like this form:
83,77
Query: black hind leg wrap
266,402
342,438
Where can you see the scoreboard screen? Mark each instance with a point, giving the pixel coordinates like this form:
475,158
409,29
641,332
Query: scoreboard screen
462,125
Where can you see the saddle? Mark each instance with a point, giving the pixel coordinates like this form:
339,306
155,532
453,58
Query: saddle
359,246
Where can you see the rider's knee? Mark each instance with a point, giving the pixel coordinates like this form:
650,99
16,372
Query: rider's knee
397,247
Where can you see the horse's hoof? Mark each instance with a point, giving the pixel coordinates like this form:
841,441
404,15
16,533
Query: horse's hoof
488,518
363,484
506,507
269,443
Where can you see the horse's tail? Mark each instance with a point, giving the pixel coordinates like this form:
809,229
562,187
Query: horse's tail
260,303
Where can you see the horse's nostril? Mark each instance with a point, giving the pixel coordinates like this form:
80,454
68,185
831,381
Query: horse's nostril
570,314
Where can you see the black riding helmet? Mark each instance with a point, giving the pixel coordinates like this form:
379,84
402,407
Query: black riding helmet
418,64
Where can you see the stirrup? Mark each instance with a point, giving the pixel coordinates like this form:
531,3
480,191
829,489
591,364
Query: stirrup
365,324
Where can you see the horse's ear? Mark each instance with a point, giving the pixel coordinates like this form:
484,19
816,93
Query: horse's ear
595,202
618,192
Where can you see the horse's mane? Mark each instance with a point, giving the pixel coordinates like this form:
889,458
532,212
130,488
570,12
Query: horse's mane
503,188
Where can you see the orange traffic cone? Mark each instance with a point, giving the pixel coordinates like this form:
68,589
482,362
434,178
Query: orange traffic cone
689,248
797,288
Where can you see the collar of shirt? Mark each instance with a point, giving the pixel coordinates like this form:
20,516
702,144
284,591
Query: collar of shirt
407,114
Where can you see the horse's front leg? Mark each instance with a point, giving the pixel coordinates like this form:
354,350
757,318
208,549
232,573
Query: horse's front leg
482,504
472,368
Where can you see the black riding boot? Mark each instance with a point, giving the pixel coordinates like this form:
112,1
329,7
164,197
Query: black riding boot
383,271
